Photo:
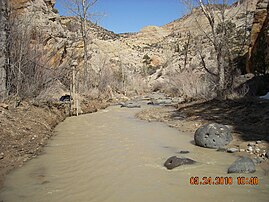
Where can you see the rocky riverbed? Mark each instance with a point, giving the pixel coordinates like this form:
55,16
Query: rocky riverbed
247,118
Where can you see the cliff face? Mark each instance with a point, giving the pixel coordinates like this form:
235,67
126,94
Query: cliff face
142,59
39,5
258,55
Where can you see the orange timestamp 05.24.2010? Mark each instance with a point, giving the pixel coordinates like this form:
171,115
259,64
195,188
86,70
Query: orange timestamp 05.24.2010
195,180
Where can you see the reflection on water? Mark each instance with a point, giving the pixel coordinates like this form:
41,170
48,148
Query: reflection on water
111,156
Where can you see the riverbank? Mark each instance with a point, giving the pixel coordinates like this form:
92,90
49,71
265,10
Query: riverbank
248,118
25,129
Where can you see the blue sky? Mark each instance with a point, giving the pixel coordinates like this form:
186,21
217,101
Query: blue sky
131,15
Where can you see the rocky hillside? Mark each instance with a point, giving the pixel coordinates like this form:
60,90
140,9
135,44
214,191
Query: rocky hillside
149,59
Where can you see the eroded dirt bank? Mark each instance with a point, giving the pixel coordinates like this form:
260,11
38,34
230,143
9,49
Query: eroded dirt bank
25,129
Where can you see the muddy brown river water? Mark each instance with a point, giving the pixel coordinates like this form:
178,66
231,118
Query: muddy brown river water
112,156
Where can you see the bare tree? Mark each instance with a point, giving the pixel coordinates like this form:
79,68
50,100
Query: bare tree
24,54
186,50
219,35
3,47
26,66
81,9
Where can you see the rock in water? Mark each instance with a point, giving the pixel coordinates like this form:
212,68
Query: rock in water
130,105
232,150
160,102
242,165
213,136
174,161
184,152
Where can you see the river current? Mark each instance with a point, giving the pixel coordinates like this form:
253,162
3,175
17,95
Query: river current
110,156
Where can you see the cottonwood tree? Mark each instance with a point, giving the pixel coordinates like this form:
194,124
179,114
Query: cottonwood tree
81,10
220,33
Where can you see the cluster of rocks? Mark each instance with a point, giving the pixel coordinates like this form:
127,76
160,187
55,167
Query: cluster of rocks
157,99
255,149
160,100
130,104
252,148
218,136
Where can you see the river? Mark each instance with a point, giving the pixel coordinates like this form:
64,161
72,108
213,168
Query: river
112,156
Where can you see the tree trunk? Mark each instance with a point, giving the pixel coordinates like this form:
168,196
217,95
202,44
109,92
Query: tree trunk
85,40
3,48
221,80
221,74
187,50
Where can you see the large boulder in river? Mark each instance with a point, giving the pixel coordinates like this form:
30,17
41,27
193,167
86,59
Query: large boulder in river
242,165
213,136
174,161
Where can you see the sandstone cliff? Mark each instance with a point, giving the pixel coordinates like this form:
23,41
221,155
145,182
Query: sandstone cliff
258,55
137,61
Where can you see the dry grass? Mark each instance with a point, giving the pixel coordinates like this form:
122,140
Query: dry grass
190,84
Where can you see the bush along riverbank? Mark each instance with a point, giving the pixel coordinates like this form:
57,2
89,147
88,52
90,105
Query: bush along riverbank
26,127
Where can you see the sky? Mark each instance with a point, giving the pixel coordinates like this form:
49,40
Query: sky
122,16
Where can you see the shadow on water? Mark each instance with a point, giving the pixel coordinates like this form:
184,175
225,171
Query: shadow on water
248,116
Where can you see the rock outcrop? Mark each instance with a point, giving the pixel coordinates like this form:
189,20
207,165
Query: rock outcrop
258,54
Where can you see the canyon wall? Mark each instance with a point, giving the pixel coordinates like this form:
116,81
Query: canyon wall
147,59
258,55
